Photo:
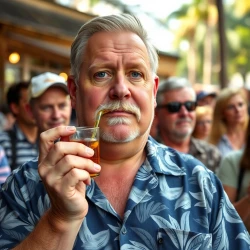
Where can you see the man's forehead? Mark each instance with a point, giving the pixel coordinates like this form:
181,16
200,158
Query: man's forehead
102,42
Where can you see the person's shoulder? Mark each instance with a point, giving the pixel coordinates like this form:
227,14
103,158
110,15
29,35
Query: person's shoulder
182,160
234,154
232,157
4,135
205,145
23,174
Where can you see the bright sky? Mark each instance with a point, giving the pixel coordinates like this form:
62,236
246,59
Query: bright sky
161,37
160,8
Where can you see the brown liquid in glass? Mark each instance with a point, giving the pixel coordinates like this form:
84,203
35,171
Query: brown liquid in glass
91,143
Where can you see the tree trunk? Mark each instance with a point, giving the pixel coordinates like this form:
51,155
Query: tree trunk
191,60
222,43
207,65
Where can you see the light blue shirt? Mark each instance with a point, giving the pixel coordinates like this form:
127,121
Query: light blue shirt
224,146
175,203
4,166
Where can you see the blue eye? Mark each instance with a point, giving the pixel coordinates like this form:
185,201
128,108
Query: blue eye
101,74
135,74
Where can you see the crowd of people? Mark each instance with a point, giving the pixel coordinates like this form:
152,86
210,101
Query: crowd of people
174,168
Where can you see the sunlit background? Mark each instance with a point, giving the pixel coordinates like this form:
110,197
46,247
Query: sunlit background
206,41
190,29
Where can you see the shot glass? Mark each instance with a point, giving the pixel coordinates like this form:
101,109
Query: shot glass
88,136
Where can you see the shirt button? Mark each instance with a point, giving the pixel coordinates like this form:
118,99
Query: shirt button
160,240
124,231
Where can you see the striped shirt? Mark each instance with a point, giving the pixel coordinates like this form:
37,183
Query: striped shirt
25,150
4,167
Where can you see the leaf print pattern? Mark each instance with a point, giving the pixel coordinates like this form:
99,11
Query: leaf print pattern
93,241
183,202
145,237
244,236
145,210
180,234
229,212
170,193
221,239
135,246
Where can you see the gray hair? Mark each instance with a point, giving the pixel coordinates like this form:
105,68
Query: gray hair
111,23
173,83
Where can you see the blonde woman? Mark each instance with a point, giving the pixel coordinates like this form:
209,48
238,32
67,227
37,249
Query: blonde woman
234,173
203,125
230,120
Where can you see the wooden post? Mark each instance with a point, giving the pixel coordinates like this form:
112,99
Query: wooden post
223,45
3,48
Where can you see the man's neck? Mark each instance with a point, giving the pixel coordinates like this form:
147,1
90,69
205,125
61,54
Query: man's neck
30,131
179,145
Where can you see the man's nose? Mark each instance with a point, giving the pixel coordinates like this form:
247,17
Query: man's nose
120,88
183,110
56,112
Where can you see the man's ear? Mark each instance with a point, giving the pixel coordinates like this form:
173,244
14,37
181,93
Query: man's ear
72,90
14,108
156,85
29,110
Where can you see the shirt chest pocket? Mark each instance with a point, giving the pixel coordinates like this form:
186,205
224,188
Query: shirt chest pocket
172,239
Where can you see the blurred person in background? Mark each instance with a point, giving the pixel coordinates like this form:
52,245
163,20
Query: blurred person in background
230,120
203,124
19,142
49,101
176,104
206,98
234,173
4,166
7,119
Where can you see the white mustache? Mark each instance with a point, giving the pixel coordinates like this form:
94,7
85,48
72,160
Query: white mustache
119,105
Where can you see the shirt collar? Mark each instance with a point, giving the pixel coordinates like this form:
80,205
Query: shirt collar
197,146
163,159
19,134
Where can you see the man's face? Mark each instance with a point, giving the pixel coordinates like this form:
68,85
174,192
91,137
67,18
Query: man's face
116,70
51,109
208,100
177,126
20,111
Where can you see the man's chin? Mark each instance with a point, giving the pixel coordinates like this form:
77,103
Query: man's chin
119,136
56,125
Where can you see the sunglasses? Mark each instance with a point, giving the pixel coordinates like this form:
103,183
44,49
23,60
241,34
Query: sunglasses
174,107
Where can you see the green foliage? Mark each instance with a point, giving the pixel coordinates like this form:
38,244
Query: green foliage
192,25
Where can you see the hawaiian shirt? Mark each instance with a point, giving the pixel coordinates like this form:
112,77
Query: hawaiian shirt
175,203
205,152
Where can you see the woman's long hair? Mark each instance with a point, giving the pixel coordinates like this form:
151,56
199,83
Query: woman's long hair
245,162
219,127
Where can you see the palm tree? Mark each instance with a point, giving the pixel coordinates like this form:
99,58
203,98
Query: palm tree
193,17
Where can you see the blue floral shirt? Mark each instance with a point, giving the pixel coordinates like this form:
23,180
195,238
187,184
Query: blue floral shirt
175,203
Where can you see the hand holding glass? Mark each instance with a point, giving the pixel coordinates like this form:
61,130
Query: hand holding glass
88,136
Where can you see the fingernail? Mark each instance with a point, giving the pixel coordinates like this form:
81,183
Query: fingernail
71,128
97,167
89,151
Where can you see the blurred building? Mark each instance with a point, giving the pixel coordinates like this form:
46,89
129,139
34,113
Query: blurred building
36,35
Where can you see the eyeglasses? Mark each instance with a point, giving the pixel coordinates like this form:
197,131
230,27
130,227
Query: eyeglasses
174,107
204,122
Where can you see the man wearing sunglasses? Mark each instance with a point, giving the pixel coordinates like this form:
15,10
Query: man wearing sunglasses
175,114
